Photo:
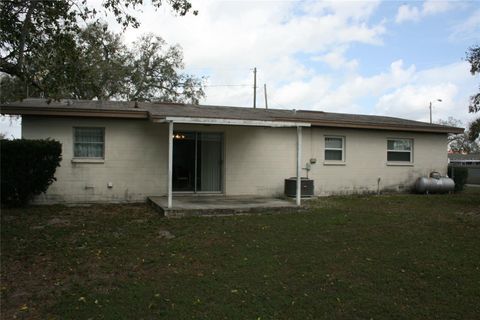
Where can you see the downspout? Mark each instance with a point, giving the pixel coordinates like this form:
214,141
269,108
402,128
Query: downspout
299,166
170,163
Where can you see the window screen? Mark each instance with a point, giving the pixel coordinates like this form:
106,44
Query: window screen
399,150
89,142
334,148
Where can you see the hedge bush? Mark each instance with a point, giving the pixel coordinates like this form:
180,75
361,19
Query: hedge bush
460,175
27,168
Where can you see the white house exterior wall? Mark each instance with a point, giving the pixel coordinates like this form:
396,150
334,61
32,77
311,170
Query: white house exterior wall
135,160
366,160
257,159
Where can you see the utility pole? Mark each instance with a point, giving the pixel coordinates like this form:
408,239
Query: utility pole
430,111
265,93
439,100
254,88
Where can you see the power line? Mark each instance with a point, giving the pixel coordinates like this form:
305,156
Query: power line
228,85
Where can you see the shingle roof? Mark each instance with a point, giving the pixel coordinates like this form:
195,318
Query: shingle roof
156,110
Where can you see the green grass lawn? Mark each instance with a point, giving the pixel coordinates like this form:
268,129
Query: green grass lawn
369,257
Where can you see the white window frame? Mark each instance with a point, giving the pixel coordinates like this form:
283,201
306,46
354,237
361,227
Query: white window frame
400,162
342,149
89,158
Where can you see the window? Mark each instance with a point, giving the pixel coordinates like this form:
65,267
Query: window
399,150
88,142
334,148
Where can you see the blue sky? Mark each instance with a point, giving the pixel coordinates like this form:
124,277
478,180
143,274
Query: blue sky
428,42
373,57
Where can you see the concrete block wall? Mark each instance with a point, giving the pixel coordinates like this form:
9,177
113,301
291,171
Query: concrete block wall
366,160
257,160
135,160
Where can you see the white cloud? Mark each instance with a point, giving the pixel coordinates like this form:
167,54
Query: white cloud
452,84
412,101
227,39
262,34
321,93
408,12
302,94
402,91
336,59
469,29
350,10
431,7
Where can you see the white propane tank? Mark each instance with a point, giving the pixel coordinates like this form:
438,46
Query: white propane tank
434,184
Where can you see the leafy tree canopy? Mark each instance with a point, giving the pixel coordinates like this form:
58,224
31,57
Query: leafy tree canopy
473,57
474,130
96,64
37,37
460,143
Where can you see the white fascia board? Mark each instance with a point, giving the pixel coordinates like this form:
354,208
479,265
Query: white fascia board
233,122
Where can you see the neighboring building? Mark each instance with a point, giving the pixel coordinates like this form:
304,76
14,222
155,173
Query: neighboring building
122,151
470,161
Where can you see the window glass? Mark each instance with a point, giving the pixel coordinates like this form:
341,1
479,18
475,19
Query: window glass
333,143
89,142
334,148
399,156
333,155
399,150
400,144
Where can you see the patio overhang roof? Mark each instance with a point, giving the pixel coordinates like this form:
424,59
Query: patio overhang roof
231,122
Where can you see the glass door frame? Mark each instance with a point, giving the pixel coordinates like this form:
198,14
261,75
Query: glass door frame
222,165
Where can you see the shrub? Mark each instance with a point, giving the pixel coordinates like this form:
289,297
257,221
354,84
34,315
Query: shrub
27,168
459,175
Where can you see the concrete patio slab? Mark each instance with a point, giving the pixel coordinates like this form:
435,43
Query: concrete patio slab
219,205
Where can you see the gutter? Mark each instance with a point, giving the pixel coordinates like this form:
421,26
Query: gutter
360,125
74,112
231,122
388,127
278,122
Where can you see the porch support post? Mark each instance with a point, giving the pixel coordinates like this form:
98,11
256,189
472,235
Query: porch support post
170,162
299,165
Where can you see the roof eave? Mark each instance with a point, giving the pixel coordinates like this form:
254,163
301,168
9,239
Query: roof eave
69,112
387,127
144,114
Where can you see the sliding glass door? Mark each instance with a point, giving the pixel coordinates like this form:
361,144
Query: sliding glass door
197,162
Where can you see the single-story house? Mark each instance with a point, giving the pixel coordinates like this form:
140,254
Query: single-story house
125,151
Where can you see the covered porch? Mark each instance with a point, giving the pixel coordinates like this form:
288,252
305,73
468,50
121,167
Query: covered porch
180,139
195,205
